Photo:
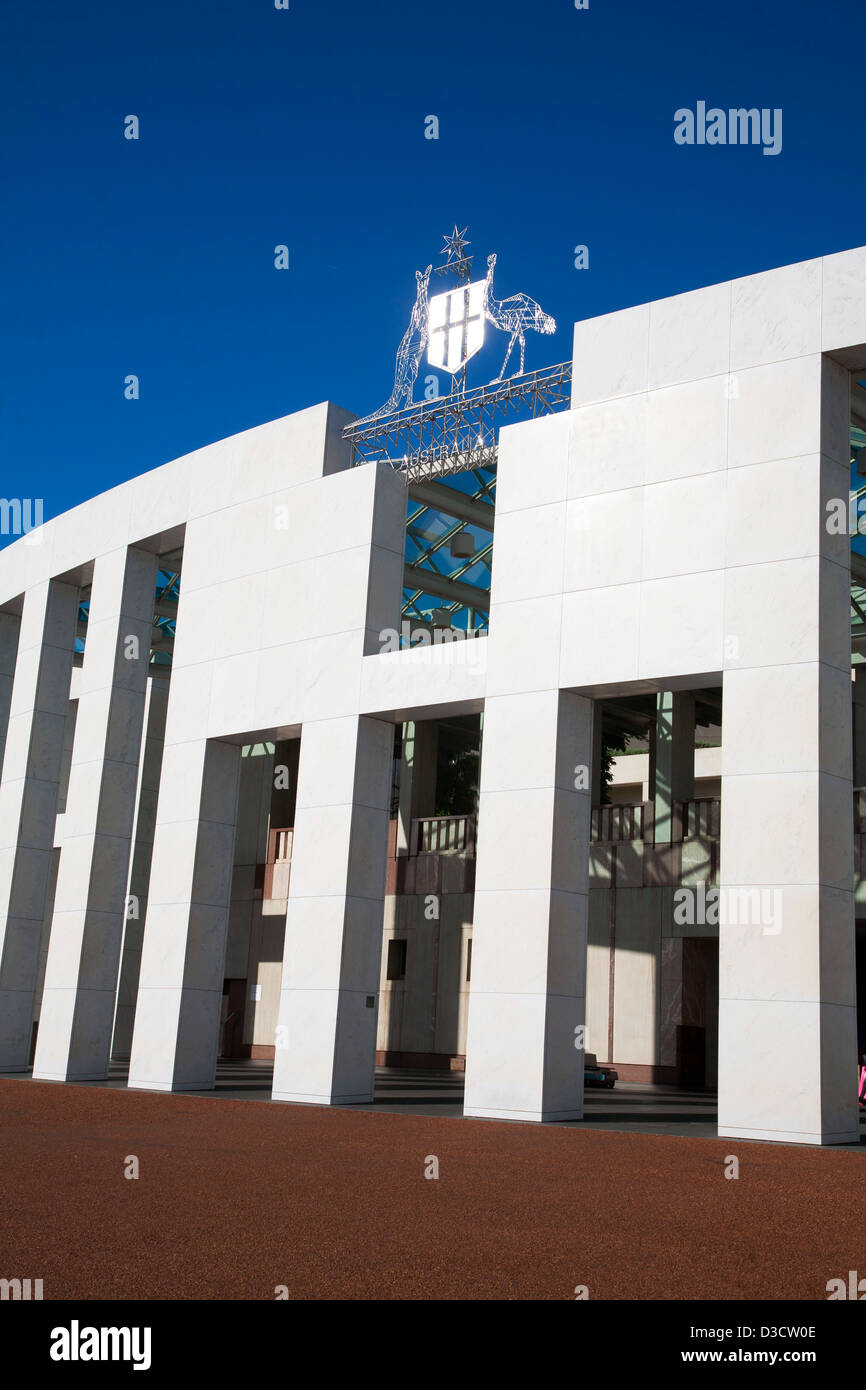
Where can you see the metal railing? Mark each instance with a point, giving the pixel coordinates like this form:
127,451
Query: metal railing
635,821
278,864
700,818
614,823
610,825
443,835
280,845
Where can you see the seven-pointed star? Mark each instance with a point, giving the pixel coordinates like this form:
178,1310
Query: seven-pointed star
455,245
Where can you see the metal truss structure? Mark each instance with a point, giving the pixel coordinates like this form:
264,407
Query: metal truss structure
454,435
165,610
458,432
456,590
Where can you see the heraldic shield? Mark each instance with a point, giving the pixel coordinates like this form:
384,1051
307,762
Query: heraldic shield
456,326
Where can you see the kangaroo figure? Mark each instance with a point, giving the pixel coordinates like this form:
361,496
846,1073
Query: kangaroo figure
515,315
410,351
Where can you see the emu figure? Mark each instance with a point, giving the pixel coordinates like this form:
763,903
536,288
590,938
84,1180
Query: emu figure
515,315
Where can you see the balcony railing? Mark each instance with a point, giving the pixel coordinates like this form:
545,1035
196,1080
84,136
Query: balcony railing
620,824
443,835
699,818
611,823
691,820
280,845
456,834
279,862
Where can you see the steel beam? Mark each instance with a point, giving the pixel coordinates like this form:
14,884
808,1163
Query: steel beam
452,503
454,590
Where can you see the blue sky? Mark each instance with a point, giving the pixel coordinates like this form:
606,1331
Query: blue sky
306,128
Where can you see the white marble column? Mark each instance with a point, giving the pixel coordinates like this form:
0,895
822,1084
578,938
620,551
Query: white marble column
176,1034
140,862
529,940
28,802
77,1013
326,1035
787,1010
787,1013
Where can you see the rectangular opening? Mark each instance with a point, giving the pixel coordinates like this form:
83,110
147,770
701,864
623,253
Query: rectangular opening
397,959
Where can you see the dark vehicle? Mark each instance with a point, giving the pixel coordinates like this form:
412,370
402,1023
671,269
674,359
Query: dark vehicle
595,1075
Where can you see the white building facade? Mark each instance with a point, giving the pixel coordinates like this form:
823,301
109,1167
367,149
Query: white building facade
666,535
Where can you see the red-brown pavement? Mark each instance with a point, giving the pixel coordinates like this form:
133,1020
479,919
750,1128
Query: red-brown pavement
235,1198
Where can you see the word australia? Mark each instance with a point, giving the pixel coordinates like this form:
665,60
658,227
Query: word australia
734,127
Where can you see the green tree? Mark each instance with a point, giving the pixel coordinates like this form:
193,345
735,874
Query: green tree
613,742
